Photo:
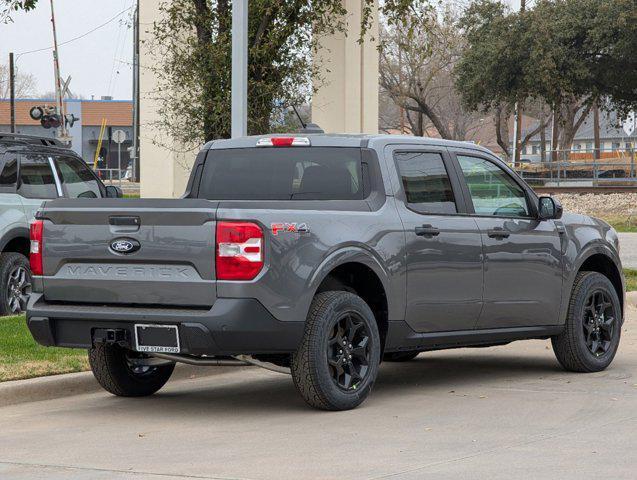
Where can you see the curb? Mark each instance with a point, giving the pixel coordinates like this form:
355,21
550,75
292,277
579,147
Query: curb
631,299
71,384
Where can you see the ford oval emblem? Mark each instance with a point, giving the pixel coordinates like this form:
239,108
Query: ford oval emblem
125,245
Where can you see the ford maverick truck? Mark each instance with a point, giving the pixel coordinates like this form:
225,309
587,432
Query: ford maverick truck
323,254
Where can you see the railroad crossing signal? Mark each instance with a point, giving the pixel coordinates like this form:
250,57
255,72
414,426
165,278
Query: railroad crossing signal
48,117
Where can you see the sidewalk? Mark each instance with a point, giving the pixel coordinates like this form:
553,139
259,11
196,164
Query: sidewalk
628,249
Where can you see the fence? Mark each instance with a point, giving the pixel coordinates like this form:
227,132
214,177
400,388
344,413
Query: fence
583,169
109,174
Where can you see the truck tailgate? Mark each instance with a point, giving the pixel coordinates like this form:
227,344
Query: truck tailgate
171,259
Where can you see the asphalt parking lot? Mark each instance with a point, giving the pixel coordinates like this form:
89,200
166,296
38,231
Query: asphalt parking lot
505,412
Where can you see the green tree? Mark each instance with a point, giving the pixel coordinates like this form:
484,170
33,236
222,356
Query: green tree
192,45
568,54
7,7
195,70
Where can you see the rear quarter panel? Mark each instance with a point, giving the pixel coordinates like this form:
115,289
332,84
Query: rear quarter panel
13,222
296,263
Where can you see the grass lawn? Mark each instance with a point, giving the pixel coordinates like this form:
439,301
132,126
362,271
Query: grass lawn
622,224
631,279
21,357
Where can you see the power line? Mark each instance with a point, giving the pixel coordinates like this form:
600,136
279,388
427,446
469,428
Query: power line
79,36
115,54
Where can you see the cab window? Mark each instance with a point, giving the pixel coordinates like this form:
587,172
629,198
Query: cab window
425,182
493,191
78,181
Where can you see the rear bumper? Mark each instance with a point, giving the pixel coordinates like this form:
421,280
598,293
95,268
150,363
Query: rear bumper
232,326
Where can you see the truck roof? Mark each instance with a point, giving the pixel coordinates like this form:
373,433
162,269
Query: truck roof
377,141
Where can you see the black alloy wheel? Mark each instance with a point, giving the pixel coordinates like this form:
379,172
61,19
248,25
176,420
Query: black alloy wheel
18,289
348,351
599,322
336,364
592,330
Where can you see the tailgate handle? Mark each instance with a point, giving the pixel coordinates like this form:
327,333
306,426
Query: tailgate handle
125,221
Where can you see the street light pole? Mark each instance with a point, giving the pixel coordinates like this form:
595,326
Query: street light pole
12,90
239,123
517,128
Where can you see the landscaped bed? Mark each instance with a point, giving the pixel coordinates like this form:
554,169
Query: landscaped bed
21,357
618,209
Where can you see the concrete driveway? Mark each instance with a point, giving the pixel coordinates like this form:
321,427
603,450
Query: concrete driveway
497,413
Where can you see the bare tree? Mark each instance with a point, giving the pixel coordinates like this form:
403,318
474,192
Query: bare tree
416,71
24,83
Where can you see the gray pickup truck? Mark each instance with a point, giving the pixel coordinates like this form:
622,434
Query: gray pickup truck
323,254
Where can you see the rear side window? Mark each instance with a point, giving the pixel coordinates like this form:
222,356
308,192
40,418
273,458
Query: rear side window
292,173
425,181
36,178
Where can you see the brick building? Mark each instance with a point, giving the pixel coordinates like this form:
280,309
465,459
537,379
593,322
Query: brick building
85,131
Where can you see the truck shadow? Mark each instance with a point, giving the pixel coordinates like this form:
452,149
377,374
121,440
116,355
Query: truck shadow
254,391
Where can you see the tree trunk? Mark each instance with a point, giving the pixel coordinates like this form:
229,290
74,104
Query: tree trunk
501,123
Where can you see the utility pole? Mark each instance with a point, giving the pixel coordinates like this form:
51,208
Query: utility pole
59,93
12,90
597,148
517,129
135,156
554,136
239,68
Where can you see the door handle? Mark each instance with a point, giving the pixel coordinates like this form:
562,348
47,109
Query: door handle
427,230
498,232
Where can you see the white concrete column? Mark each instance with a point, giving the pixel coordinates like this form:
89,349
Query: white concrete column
164,168
347,100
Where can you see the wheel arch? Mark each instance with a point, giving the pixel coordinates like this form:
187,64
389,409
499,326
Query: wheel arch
16,240
357,270
601,259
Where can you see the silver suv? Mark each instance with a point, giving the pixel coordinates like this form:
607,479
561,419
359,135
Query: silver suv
34,169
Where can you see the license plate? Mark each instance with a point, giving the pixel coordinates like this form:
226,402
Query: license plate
157,338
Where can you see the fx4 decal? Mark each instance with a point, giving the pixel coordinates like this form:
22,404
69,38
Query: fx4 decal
289,228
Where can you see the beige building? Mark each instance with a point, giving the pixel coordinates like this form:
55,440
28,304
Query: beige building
347,101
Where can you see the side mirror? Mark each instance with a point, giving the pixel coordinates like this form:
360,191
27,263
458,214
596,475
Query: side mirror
549,208
113,192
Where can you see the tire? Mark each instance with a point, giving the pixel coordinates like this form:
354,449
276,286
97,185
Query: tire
316,373
15,283
400,356
112,371
589,342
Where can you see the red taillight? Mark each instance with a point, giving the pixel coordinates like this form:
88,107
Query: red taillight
35,253
239,250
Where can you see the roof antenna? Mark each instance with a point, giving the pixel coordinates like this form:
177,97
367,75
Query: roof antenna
303,124
307,127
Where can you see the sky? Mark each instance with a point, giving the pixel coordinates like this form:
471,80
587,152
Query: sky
99,63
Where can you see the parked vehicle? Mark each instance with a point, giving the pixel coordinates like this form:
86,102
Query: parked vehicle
33,169
324,254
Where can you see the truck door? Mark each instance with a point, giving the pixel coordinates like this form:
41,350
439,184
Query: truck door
523,260
443,249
